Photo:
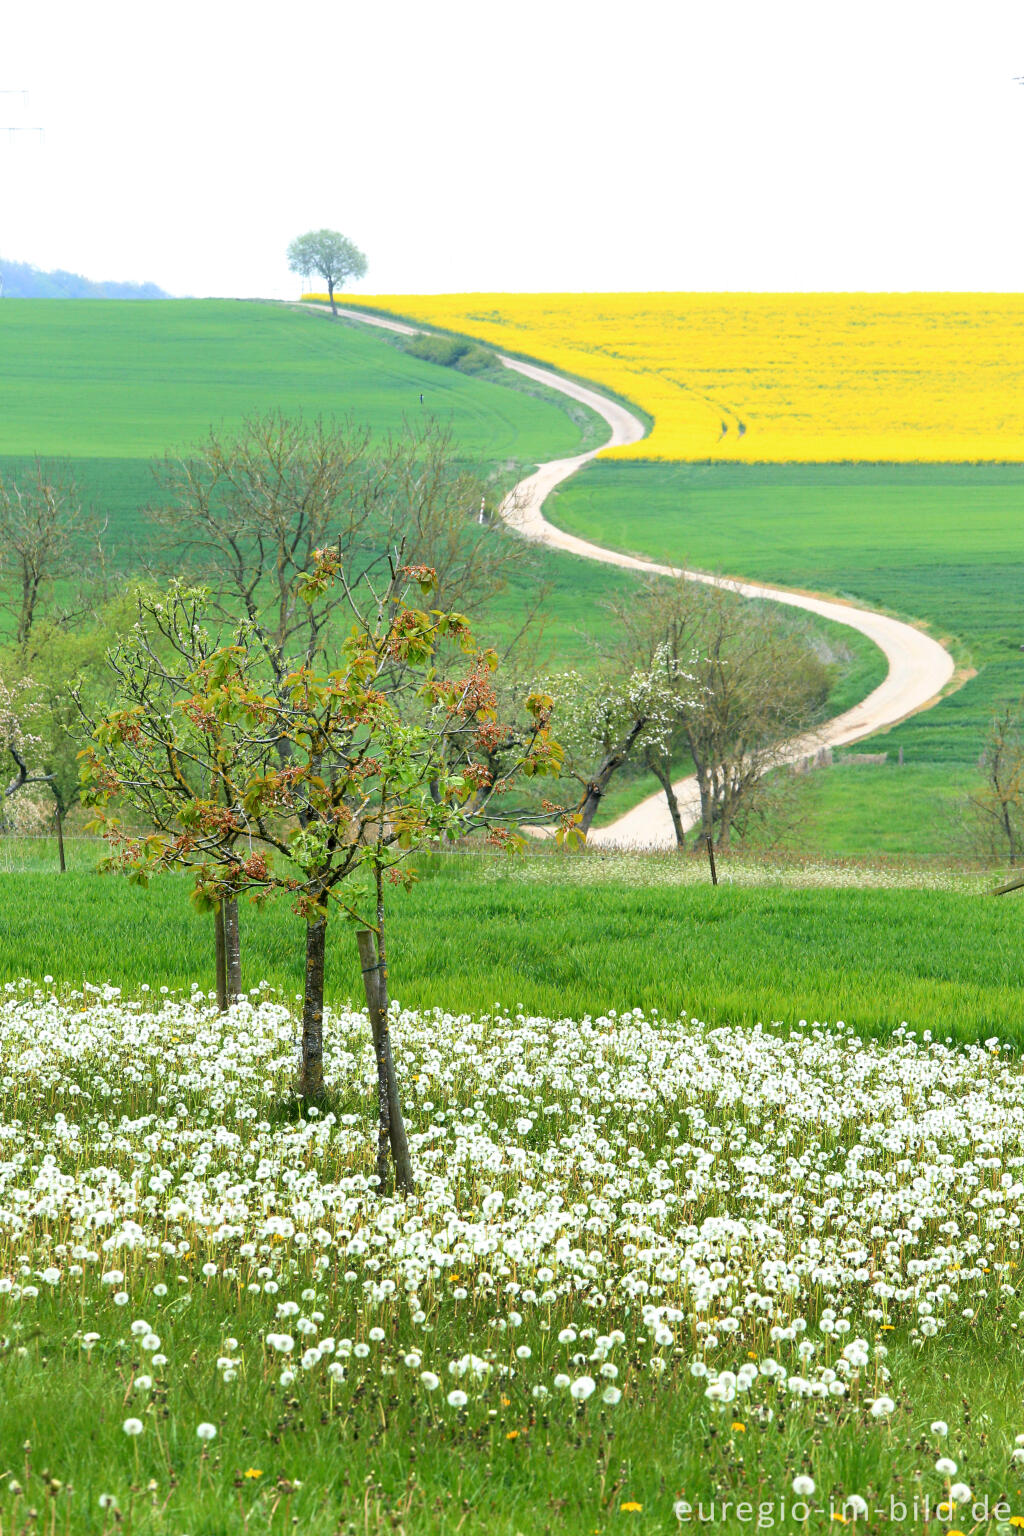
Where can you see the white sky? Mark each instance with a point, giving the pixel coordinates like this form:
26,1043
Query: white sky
533,144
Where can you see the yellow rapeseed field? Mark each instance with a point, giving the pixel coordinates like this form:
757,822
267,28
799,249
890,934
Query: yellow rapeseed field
776,377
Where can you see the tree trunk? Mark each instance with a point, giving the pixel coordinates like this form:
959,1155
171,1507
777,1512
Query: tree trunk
311,1073
232,948
665,780
219,949
330,295
373,960
599,783
371,969
60,838
711,859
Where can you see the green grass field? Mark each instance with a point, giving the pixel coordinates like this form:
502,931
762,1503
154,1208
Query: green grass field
107,380
566,936
112,387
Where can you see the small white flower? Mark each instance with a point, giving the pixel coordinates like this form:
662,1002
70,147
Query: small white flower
945,1466
611,1396
940,1428
803,1486
132,1426
206,1431
430,1381
457,1398
960,1493
582,1388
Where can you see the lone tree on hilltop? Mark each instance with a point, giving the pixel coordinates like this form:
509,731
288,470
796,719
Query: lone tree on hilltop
327,254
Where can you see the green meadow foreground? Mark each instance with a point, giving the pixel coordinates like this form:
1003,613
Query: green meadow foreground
656,1258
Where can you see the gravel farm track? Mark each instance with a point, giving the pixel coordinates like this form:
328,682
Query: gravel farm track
919,667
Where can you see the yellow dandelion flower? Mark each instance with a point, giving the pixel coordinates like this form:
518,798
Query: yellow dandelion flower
738,1428
1018,1521
253,1472
513,1434
632,1505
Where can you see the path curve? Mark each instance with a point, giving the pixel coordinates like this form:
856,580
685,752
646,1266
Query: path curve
919,667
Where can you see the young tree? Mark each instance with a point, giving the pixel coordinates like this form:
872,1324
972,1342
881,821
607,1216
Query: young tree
603,720
19,738
176,758
383,757
750,682
326,253
41,519
245,514
999,803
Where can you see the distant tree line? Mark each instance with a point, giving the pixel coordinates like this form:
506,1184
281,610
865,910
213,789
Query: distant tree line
22,281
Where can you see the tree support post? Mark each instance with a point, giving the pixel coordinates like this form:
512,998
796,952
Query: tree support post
391,1124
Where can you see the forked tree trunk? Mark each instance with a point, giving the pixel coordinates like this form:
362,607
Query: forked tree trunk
220,952
599,783
311,1073
232,948
391,1124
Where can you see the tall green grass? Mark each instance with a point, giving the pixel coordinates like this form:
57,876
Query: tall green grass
557,939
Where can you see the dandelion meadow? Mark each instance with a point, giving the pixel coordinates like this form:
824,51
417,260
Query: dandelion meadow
776,377
648,1264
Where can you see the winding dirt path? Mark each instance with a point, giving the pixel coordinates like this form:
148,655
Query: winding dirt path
919,667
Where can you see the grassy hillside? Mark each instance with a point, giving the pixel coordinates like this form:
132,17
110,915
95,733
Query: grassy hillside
113,387
99,380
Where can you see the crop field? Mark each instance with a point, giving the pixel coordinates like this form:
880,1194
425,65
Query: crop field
777,378
656,1258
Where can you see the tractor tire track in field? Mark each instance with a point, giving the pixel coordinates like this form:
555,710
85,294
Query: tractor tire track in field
919,667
